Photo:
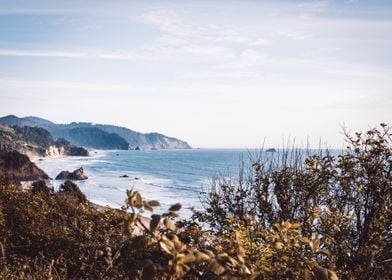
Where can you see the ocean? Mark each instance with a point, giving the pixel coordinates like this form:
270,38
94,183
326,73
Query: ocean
169,176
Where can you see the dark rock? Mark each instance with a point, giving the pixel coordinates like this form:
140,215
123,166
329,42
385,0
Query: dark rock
77,151
18,167
137,148
137,178
77,175
271,150
124,176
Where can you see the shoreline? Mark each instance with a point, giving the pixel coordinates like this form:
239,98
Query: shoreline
106,185
99,206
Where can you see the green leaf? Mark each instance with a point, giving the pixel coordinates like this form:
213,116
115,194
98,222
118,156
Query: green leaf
175,207
279,245
295,226
165,248
155,219
217,268
147,206
138,200
154,203
169,224
314,245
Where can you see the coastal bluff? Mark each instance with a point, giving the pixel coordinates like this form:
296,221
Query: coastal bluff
36,142
17,167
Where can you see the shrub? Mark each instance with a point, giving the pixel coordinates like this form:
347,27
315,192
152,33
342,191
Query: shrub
343,203
40,186
300,218
72,190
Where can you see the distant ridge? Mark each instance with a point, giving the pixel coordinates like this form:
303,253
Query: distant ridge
12,120
99,136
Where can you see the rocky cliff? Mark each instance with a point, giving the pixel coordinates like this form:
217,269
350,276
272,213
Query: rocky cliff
36,142
76,175
18,167
145,141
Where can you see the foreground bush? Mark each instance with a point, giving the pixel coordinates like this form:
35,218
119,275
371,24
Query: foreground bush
314,218
341,204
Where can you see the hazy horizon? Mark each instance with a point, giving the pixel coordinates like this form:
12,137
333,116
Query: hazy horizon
217,75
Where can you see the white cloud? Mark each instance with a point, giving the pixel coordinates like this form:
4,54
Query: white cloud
260,42
43,11
66,54
167,21
40,53
253,55
282,56
247,58
315,6
293,35
173,40
183,35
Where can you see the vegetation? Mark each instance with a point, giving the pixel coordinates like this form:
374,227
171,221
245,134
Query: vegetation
13,160
34,135
317,217
71,189
342,206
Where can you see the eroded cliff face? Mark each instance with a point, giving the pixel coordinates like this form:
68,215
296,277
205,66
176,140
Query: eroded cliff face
54,151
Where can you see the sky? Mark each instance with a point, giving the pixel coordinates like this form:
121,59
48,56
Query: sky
223,74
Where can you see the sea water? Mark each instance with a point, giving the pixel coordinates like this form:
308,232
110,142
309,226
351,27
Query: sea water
169,176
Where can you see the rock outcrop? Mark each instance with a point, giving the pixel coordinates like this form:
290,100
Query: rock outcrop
76,175
53,151
69,149
271,150
77,151
18,167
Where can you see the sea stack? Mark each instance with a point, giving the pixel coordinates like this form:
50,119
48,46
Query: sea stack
76,175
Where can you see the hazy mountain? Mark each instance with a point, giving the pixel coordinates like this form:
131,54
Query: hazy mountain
93,137
99,136
12,120
147,141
